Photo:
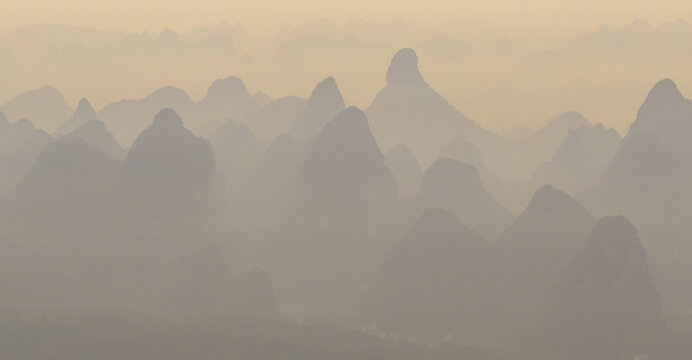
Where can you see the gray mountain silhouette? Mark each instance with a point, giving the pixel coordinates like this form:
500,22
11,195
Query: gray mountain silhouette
95,133
429,286
168,166
332,235
345,164
324,103
226,99
648,181
82,115
408,111
463,151
528,152
16,163
14,135
45,107
532,252
456,187
262,99
605,305
127,118
579,160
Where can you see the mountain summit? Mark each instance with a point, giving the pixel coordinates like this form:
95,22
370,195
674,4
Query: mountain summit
81,116
403,70
407,111
605,306
324,103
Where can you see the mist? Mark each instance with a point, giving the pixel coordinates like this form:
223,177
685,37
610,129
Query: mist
342,188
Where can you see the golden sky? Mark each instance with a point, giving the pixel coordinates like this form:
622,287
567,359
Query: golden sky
264,17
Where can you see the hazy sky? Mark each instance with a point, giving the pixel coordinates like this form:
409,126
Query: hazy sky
266,16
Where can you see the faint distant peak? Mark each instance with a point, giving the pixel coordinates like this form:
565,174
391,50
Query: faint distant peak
169,92
3,118
549,197
327,92
167,119
228,87
615,229
168,34
664,93
450,167
403,70
262,98
352,120
400,151
24,123
84,108
568,119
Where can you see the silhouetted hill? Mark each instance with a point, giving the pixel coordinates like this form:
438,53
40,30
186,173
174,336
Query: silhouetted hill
68,169
463,151
131,235
275,118
345,165
45,107
95,133
169,167
528,152
456,187
324,103
429,286
226,99
262,99
15,164
331,239
408,111
405,168
127,118
82,115
653,160
648,181
578,162
605,305
14,135
532,252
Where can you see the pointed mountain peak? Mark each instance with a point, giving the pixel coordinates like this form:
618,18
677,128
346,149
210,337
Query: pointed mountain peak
400,151
24,123
549,198
403,70
3,118
84,111
227,88
325,102
617,231
85,106
456,187
568,120
167,119
82,115
453,169
326,90
350,122
664,93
